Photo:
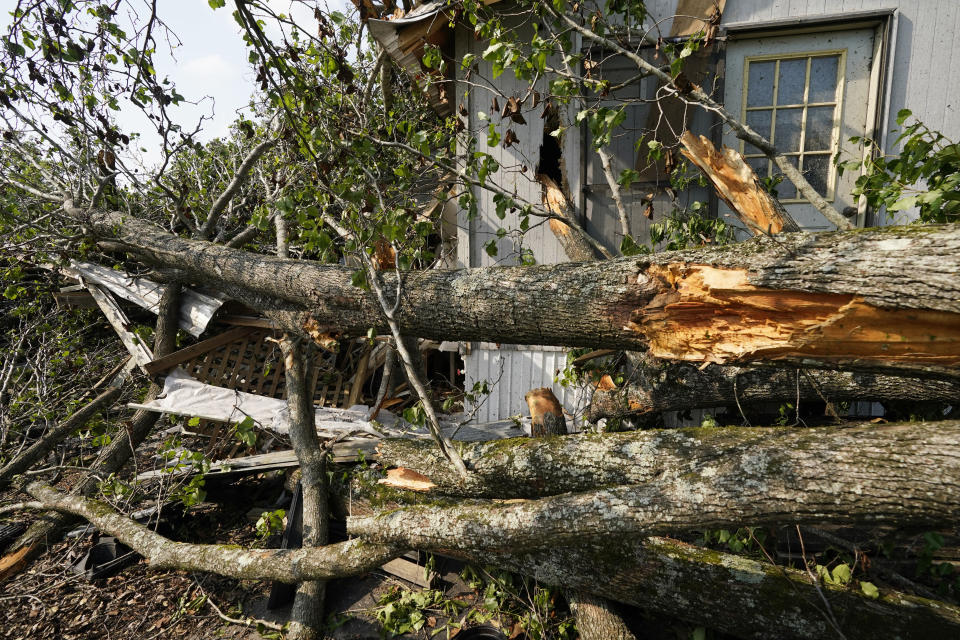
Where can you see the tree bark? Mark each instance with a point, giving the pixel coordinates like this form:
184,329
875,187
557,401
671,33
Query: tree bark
306,618
39,449
658,385
879,475
283,565
880,299
531,468
728,593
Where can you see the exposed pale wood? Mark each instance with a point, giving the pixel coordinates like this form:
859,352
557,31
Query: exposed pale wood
546,413
410,571
194,350
406,479
737,185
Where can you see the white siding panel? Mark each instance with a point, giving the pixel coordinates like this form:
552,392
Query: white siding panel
523,369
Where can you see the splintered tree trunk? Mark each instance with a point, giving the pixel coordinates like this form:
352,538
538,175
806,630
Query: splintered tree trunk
657,385
871,299
675,480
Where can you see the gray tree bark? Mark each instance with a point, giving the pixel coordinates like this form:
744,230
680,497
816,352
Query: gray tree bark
657,385
898,474
306,618
883,299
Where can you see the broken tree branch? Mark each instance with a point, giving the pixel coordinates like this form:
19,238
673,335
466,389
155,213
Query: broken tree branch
737,185
283,565
39,449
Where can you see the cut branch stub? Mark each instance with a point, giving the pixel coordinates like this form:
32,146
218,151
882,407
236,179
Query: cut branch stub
546,413
737,185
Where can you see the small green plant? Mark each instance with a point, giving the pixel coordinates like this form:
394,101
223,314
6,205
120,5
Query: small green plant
270,523
402,610
743,539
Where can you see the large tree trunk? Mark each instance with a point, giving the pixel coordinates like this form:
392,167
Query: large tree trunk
884,298
728,593
658,385
898,475
306,618
529,468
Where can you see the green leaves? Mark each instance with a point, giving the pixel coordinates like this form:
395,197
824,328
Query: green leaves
869,589
216,4
924,176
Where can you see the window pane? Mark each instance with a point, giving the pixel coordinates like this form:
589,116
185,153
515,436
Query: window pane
786,190
789,125
793,76
819,129
823,79
759,166
815,170
759,121
760,91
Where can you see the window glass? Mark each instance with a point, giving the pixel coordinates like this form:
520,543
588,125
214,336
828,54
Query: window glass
791,81
760,92
823,79
793,102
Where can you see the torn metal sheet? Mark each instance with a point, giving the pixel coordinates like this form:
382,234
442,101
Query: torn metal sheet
185,396
196,307
403,39
139,352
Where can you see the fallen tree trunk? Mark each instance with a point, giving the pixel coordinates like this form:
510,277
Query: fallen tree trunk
39,449
845,476
796,297
728,593
658,385
534,468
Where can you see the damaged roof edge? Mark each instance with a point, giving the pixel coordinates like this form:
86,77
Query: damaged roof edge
196,308
429,20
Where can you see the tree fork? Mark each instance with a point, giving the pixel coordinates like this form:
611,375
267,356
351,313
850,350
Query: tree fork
883,299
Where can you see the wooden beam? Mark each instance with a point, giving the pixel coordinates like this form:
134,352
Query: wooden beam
118,320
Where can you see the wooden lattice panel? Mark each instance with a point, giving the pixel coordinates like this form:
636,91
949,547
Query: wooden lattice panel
254,364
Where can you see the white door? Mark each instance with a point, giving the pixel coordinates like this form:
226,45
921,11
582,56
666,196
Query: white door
808,94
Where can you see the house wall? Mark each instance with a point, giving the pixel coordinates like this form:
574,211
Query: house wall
923,66
923,69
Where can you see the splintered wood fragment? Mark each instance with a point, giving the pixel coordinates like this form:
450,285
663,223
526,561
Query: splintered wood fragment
711,314
606,383
408,479
546,413
118,320
737,185
323,339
